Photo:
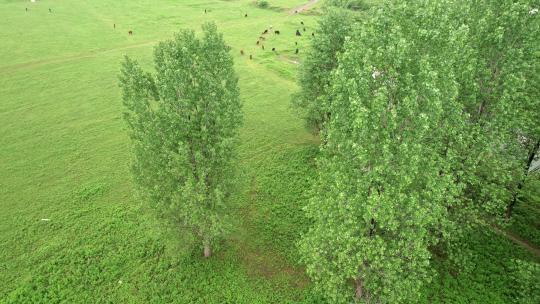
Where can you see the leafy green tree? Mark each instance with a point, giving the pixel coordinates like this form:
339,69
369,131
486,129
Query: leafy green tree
315,73
524,62
433,125
385,188
183,121
500,98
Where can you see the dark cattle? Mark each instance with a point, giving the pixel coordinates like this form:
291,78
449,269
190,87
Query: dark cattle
296,52
296,12
313,34
262,46
245,15
296,43
241,52
130,33
304,29
302,22
250,56
298,33
265,32
258,42
276,32
273,49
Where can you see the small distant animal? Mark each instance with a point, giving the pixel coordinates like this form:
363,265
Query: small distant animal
296,12
245,15
273,49
114,25
298,33
313,34
262,38
304,29
130,33
258,42
276,32
302,22
250,56
262,47
205,11
296,43
296,52
241,52
265,32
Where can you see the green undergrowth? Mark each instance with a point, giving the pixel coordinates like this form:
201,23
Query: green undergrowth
501,273
525,221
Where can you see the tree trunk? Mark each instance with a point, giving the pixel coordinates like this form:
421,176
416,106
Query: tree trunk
359,289
207,251
510,207
531,156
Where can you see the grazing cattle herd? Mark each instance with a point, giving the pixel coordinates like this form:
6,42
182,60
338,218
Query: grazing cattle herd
259,42
262,38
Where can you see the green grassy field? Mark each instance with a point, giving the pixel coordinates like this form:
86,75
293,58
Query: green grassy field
64,156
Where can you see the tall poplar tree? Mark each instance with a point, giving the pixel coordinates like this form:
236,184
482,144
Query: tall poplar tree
385,187
183,121
500,96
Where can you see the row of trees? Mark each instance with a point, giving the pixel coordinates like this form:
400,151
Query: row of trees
429,114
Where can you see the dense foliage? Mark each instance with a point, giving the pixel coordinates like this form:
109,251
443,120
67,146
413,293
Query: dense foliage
348,4
183,122
313,101
428,138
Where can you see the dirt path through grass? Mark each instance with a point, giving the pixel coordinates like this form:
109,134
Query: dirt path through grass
519,241
304,7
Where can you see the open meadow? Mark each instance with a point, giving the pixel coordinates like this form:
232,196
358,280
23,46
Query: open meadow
71,227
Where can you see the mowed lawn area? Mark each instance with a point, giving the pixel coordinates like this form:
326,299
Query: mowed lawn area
71,227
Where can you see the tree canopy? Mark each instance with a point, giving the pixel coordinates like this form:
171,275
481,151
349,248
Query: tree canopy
183,121
430,101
